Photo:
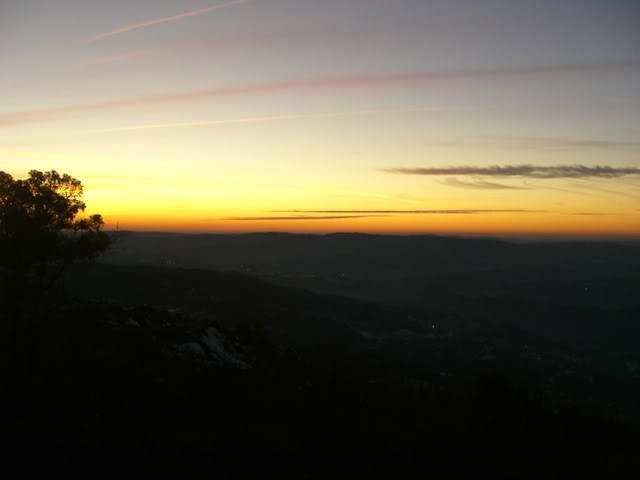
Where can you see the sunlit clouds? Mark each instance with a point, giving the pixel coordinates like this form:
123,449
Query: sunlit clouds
506,118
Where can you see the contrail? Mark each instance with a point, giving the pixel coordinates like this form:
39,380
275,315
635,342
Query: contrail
172,18
263,119
340,83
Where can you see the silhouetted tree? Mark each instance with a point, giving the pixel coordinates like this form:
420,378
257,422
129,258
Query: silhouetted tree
43,229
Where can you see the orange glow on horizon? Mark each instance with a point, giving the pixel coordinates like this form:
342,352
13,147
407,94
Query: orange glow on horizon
460,224
206,118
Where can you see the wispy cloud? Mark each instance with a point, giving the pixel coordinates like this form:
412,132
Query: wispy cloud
299,217
480,185
229,42
592,186
588,214
557,144
401,197
265,118
530,171
82,135
160,20
546,186
405,212
355,83
549,143
119,57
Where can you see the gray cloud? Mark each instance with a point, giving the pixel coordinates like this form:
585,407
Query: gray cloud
530,171
480,185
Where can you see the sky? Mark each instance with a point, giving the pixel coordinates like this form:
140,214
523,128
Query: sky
473,117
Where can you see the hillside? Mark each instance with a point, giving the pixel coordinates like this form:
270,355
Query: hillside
172,372
441,344
581,293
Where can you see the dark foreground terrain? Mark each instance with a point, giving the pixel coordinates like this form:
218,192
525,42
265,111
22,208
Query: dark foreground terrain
173,372
567,311
581,293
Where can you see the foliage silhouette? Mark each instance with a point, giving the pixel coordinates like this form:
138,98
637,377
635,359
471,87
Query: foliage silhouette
43,229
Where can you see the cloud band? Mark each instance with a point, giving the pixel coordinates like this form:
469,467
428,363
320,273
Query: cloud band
529,171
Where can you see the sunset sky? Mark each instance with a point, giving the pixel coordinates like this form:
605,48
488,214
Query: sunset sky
401,116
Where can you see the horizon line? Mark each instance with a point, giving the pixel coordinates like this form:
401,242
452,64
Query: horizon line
540,236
